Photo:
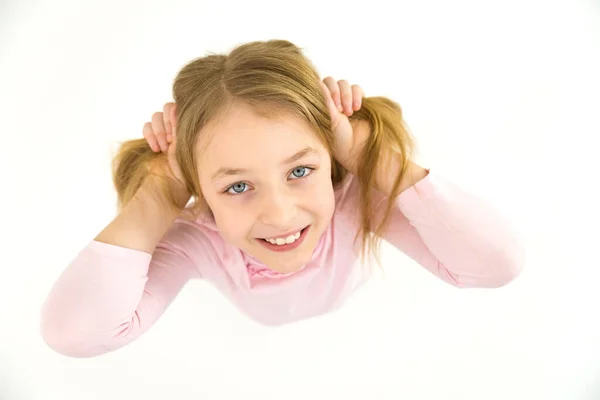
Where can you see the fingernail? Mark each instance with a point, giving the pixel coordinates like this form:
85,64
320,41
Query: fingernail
169,138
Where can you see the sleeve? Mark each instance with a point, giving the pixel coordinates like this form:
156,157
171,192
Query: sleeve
455,235
109,295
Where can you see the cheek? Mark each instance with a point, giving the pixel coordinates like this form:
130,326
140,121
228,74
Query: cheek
233,225
232,221
322,197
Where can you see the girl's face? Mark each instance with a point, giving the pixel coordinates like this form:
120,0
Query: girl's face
267,179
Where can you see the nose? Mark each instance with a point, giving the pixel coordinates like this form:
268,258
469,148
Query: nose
278,209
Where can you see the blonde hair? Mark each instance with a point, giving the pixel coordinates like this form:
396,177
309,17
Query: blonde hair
274,78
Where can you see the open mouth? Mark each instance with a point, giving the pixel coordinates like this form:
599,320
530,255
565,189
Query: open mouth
285,244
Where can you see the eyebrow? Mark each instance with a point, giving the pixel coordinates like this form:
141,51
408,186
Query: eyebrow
224,172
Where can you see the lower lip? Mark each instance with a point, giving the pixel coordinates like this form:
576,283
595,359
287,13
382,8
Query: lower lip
287,246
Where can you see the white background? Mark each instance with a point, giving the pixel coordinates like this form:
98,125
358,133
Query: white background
503,98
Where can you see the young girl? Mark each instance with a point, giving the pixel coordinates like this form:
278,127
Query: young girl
291,179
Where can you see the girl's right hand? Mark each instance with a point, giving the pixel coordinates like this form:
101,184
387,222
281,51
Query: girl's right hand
161,136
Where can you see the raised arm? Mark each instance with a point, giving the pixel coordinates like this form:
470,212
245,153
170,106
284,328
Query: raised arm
454,234
122,281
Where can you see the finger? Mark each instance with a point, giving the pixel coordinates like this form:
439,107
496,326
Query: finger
150,138
357,96
167,121
159,130
334,90
173,119
333,110
346,96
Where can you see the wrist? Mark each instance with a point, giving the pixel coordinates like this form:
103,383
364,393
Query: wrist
168,192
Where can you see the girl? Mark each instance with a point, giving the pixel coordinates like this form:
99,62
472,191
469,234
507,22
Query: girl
290,179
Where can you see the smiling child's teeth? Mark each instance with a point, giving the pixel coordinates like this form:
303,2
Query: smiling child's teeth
282,241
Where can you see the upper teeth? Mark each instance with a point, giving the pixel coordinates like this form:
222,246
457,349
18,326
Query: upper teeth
286,240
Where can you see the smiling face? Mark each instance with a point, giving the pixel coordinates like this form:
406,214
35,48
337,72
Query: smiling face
267,178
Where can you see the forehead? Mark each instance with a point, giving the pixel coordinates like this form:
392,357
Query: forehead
243,138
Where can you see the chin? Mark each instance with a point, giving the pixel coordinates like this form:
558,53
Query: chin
285,263
297,263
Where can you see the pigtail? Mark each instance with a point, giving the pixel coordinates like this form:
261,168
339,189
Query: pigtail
390,140
134,163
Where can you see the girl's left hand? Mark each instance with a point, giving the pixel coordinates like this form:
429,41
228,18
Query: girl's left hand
342,100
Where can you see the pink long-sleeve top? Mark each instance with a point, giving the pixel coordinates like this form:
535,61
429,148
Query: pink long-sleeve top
110,295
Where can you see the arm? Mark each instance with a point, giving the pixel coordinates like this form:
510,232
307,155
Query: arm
145,219
454,234
120,283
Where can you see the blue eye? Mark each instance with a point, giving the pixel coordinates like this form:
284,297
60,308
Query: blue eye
301,172
237,188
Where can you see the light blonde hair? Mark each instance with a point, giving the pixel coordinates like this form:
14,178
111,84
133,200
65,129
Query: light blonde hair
274,78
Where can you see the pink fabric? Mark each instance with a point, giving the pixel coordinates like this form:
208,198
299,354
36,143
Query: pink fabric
109,295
